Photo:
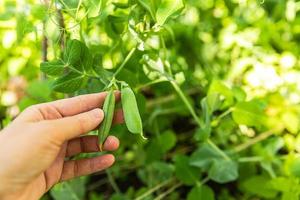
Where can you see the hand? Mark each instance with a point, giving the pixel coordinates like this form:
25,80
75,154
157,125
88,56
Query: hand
34,146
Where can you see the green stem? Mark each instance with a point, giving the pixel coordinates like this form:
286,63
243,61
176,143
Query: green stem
150,83
124,62
163,195
112,181
213,145
224,114
152,190
250,159
197,119
186,102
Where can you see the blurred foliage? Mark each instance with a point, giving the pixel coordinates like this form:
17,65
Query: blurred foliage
217,82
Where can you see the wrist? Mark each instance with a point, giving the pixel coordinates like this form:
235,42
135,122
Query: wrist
27,194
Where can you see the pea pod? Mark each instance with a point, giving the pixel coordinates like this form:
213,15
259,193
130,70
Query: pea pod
131,112
108,109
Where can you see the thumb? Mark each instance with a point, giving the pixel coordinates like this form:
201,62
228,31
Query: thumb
69,127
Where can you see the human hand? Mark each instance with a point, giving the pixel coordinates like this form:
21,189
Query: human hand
34,146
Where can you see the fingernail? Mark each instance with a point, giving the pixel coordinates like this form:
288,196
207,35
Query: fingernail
98,113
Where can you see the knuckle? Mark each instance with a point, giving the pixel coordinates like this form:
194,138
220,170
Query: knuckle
81,121
82,103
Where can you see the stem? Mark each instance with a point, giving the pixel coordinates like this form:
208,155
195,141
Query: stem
168,98
150,83
205,180
62,28
253,141
112,181
152,190
186,102
224,114
161,196
197,119
250,159
213,145
124,62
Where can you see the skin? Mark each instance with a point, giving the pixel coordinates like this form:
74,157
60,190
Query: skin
34,147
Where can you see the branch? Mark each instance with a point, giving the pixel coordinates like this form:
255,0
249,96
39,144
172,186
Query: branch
62,29
255,140
152,190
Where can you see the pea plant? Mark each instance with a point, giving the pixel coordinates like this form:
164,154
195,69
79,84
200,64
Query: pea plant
209,136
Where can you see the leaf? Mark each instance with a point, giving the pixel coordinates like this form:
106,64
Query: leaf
86,59
202,192
71,190
239,93
204,157
68,83
223,171
168,8
213,102
219,87
293,165
260,186
53,68
149,6
291,121
39,90
167,141
104,75
156,173
73,53
250,113
184,172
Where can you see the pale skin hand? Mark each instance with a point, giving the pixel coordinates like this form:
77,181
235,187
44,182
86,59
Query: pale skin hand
34,146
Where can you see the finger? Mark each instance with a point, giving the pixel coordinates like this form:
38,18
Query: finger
70,127
88,144
67,107
75,168
118,117
111,143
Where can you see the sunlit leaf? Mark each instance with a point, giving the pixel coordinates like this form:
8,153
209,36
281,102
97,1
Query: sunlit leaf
168,8
249,113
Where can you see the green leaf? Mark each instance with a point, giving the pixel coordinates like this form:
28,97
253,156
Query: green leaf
184,172
86,59
149,5
167,140
204,157
250,113
73,53
219,87
156,173
213,102
68,83
53,68
168,8
39,90
291,121
71,190
223,171
239,94
202,192
294,167
260,186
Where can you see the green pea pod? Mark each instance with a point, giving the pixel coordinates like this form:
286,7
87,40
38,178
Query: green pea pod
131,112
108,109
